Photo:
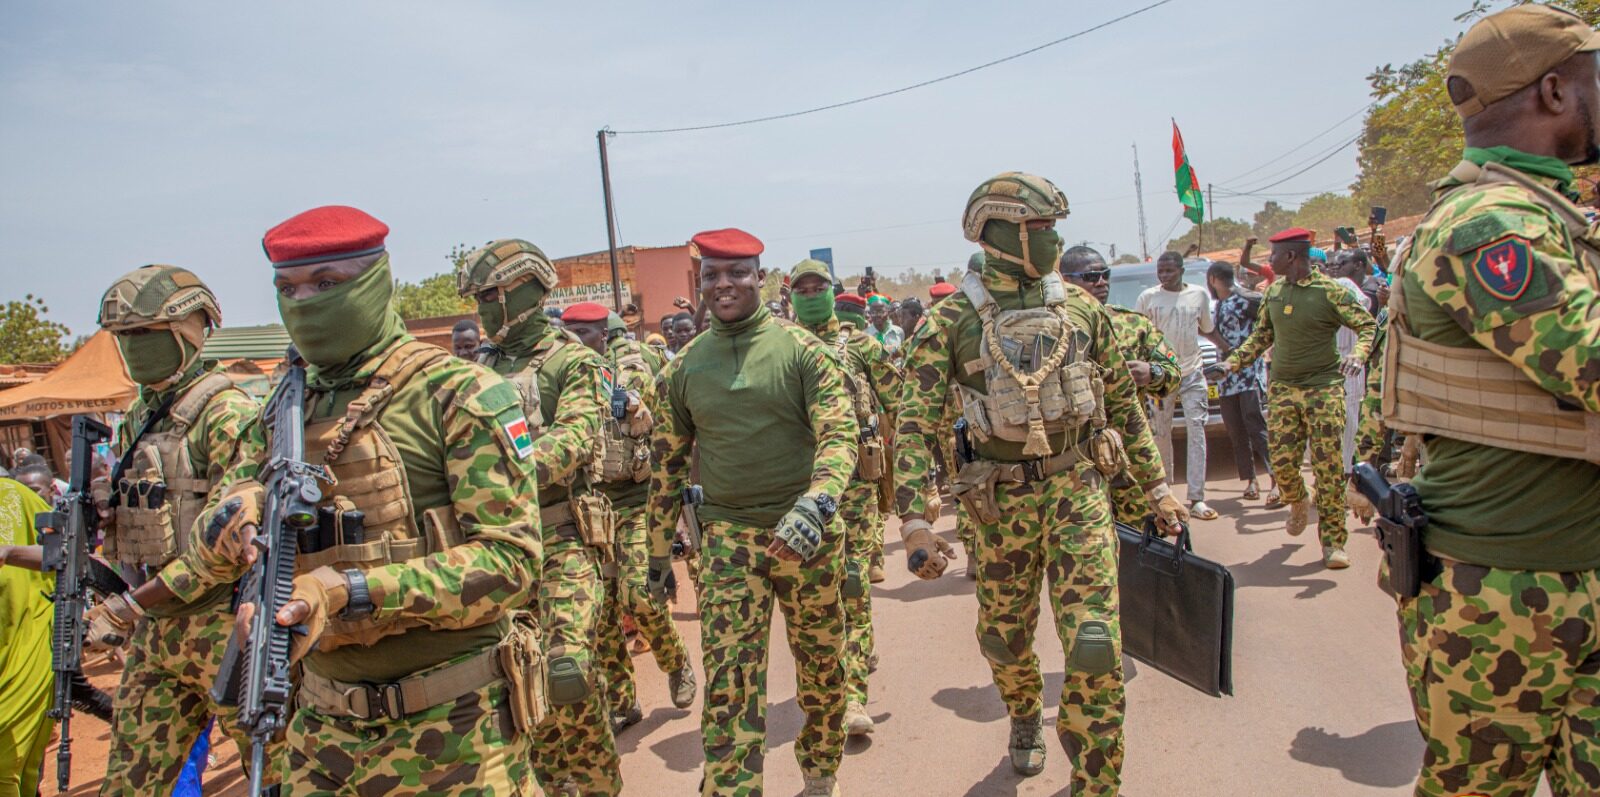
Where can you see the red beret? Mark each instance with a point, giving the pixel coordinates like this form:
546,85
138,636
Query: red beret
1293,234
850,298
731,244
941,290
585,311
331,232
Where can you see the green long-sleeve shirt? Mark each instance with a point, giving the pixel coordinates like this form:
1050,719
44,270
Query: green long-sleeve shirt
1300,322
766,403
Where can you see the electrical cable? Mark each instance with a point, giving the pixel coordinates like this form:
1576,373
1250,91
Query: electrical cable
1303,144
1318,162
901,90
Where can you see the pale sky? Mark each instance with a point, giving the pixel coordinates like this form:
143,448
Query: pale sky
178,133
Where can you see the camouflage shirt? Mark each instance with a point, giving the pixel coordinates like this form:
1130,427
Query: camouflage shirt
449,423
627,494
574,395
766,403
1139,339
1538,310
952,334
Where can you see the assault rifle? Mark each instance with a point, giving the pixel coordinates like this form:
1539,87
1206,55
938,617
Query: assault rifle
255,673
64,540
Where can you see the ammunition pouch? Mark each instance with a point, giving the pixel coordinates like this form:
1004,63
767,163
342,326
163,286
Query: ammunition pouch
588,518
621,458
522,660
870,459
368,701
1106,449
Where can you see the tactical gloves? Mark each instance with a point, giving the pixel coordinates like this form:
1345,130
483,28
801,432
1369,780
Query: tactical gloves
802,528
325,593
111,621
926,554
1170,515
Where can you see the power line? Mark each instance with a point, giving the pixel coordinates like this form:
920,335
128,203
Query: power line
903,89
1303,144
1314,164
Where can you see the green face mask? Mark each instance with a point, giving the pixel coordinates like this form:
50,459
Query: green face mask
813,310
518,301
153,356
331,328
1044,249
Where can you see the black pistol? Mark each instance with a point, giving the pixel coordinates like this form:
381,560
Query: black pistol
1400,524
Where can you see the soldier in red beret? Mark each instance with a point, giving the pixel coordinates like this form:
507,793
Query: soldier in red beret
1300,315
766,403
431,487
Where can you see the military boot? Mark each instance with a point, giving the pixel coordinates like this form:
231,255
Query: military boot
1336,559
682,685
1299,516
827,786
857,722
626,717
1027,745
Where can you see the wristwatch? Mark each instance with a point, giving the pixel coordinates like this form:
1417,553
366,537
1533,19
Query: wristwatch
360,603
826,505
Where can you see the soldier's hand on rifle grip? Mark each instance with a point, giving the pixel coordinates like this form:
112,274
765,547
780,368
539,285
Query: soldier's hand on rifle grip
111,622
318,596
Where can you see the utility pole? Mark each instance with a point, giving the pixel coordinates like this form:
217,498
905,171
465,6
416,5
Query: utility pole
611,224
1138,191
1211,208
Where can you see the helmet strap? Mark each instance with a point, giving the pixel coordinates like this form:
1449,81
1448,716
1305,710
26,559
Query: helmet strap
499,336
1027,267
194,334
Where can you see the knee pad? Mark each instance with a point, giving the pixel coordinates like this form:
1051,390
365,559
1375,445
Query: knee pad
1094,651
854,585
994,649
568,682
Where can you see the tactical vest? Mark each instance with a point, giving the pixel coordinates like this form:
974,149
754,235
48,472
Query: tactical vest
526,380
1473,394
869,451
366,513
623,457
1038,380
153,536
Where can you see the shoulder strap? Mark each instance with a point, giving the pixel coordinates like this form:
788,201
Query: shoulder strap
187,410
972,286
400,364
133,445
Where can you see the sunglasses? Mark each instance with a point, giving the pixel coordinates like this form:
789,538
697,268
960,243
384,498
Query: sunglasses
1098,275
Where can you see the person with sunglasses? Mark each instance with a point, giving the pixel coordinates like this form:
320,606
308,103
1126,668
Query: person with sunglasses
1151,361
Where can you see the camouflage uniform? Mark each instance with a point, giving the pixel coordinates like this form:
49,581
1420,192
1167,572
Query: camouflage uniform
1306,405
858,507
1501,646
1140,339
1056,525
792,435
627,590
162,703
570,386
411,698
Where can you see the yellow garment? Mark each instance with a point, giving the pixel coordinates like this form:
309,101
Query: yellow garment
25,677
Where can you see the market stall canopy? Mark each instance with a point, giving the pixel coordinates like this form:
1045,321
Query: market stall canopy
91,380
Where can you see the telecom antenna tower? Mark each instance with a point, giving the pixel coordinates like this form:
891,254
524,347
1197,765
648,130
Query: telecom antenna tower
1138,191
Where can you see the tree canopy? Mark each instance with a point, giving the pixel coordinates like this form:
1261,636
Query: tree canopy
26,336
435,295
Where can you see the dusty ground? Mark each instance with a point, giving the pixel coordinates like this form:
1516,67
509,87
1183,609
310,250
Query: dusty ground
1320,706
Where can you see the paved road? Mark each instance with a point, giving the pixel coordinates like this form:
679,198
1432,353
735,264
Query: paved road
1320,706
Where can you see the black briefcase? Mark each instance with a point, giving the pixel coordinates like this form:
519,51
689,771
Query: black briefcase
1177,609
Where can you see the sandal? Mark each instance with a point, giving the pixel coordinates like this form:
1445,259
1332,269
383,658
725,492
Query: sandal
1274,499
1252,493
1199,511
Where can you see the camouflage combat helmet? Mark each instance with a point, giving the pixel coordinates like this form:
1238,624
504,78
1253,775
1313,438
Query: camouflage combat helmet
504,264
1017,198
615,325
151,295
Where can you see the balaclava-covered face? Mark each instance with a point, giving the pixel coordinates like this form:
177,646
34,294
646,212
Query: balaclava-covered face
520,303
156,356
813,310
1042,256
335,326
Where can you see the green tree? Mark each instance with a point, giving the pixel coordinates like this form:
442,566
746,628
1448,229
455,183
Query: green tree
1126,258
436,295
1221,233
1272,218
1324,212
1412,136
26,336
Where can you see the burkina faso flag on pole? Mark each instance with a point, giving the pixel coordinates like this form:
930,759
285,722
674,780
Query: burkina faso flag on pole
1194,202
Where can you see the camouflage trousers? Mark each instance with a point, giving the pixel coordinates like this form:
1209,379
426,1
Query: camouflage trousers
1504,670
574,744
858,514
628,593
162,704
468,746
1128,502
739,585
1058,529
1370,433
1315,416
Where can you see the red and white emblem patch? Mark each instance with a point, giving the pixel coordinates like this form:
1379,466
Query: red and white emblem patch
1505,268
